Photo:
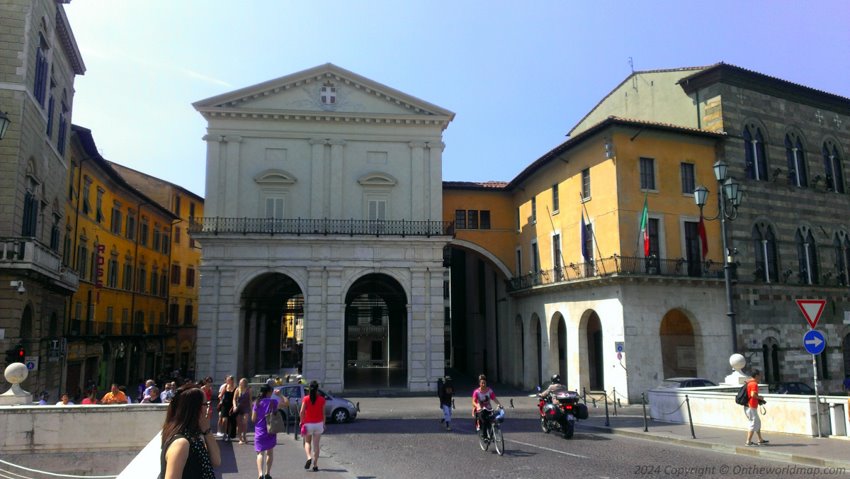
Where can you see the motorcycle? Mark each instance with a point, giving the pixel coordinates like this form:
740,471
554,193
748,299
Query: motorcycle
560,413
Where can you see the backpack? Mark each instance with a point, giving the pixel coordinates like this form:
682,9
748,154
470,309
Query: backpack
742,398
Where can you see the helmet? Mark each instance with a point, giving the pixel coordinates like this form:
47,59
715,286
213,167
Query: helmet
556,379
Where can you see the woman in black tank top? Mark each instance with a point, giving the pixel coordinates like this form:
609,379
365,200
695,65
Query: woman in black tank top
188,451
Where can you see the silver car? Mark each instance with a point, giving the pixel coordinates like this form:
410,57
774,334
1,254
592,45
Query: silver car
337,409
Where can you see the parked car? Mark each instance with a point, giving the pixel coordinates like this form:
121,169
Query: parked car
791,387
687,383
337,409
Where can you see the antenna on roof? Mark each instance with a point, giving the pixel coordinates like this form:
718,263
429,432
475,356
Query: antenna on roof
632,64
634,78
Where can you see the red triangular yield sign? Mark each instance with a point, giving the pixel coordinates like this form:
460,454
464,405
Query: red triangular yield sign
812,309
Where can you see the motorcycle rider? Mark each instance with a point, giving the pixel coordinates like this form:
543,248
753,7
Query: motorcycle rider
554,389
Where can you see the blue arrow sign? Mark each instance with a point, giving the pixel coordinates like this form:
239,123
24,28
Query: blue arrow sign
814,342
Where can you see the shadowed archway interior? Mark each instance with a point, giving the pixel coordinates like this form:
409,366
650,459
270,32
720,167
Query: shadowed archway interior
272,326
375,333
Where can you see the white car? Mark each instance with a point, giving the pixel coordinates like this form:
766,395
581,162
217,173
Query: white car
337,409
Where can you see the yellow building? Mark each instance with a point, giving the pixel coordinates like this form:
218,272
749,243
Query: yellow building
552,298
119,240
185,263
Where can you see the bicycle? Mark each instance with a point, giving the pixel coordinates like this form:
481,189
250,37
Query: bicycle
491,430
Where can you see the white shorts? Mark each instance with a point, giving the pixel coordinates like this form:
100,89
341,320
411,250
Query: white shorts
315,428
755,420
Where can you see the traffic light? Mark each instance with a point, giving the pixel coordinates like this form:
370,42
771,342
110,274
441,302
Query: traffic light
20,354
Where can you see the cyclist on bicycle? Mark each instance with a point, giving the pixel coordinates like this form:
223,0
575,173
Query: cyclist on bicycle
482,399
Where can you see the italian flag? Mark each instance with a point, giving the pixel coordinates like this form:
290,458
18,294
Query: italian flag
644,230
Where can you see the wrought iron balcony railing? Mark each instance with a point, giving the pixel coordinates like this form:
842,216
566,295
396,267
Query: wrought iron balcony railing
618,266
323,226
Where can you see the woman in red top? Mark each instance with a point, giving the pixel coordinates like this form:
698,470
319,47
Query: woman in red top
312,424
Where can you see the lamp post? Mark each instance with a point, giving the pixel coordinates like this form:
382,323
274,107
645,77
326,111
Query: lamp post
4,124
729,196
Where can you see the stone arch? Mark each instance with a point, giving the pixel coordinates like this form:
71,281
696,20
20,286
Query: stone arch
558,346
483,252
678,345
271,328
376,333
591,363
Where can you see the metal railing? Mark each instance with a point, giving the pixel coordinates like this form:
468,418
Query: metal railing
618,266
29,253
323,226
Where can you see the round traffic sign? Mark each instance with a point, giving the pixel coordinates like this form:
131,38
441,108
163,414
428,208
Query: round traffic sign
814,342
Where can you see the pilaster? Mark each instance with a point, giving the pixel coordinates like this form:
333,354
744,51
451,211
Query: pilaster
231,191
418,179
317,177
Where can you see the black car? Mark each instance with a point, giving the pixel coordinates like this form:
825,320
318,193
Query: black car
793,387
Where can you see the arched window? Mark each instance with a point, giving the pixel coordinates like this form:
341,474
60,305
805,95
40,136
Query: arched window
754,153
807,256
833,167
797,174
764,246
841,248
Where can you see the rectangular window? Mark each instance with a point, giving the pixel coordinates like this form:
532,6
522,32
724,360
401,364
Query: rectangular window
556,200
533,210
99,216
128,276
274,208
585,183
86,203
484,218
63,130
693,249
688,179
112,273
154,283
174,314
654,241
188,311
472,219
377,210
143,277
50,108
519,262
157,237
131,226
535,257
647,174
163,283
41,67
556,253
82,261
518,222
175,274
460,219
165,242
190,277
143,232
177,235
116,220
177,205
191,210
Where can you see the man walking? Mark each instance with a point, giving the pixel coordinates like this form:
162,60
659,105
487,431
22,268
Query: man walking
752,409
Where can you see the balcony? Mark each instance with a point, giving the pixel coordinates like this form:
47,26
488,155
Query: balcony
28,254
617,266
306,226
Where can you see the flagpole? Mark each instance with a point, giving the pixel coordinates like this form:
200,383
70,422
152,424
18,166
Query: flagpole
593,235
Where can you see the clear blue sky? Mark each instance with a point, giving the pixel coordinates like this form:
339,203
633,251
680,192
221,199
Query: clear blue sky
518,75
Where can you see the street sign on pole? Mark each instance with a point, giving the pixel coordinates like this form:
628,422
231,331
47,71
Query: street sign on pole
812,309
814,342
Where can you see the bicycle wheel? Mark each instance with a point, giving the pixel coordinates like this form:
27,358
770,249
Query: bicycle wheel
482,440
498,439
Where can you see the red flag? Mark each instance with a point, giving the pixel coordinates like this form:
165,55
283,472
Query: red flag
702,237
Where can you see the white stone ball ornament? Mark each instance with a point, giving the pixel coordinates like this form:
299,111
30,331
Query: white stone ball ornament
16,373
737,361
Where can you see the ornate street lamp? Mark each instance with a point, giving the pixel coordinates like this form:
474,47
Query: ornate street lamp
729,197
4,124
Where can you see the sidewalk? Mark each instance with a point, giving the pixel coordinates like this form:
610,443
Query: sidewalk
241,461
792,448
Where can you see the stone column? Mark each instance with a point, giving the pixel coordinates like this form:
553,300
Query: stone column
317,178
418,180
215,176
336,176
315,311
334,332
231,190
434,198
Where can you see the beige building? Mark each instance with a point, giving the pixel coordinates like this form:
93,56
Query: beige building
39,60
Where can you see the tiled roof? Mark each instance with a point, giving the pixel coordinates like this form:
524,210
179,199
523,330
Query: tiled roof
474,185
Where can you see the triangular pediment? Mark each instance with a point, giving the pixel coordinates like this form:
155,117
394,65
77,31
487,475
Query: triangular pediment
326,90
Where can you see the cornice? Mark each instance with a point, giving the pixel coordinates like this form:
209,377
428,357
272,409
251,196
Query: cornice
324,116
69,44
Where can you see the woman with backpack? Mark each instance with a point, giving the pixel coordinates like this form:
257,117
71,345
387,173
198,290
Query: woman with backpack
312,425
264,441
